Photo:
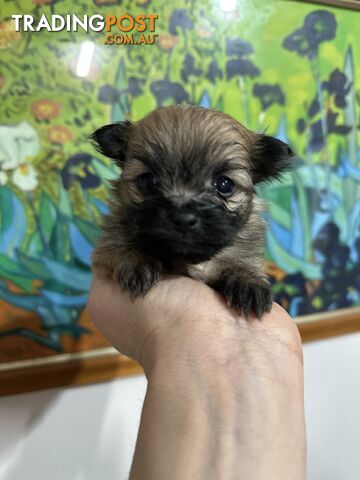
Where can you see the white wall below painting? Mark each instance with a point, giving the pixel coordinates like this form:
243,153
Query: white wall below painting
87,433
332,400
83,433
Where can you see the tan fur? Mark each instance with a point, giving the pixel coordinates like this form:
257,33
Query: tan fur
239,256
209,139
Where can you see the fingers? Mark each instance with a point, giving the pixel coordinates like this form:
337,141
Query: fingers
111,311
180,307
126,322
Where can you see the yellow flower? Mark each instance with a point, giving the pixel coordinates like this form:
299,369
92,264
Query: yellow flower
59,134
167,42
45,109
8,34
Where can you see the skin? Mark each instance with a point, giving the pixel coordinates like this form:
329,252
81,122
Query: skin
225,394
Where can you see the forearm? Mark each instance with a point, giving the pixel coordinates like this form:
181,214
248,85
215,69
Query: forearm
225,394
208,420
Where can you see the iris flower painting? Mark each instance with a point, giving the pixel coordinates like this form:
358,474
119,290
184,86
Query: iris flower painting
290,71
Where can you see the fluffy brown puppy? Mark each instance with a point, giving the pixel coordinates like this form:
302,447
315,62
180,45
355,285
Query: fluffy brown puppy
185,203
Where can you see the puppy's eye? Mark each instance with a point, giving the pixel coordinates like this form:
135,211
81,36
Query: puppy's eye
146,182
224,186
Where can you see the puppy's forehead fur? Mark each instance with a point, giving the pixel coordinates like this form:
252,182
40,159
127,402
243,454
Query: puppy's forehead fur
185,141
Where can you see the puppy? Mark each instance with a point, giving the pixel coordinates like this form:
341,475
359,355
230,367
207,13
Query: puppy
185,203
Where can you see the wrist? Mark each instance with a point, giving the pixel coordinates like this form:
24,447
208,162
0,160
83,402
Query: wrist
239,394
249,416
223,343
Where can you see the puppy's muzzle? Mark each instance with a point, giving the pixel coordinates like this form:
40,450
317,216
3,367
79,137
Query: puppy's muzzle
184,220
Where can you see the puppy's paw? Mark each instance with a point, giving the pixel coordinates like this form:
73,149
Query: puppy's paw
138,279
247,296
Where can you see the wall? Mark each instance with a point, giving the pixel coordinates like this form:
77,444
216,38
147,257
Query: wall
332,397
89,433
71,434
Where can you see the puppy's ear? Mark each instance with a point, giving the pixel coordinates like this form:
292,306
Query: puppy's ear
111,140
270,157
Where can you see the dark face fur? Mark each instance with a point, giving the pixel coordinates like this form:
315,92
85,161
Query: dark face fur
188,179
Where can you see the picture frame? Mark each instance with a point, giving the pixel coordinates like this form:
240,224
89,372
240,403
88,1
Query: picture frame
351,4
107,364
75,171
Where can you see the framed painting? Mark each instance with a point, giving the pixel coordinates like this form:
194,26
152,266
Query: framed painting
239,57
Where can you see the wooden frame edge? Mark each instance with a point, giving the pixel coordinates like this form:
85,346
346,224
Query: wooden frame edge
348,4
85,369
339,322
70,373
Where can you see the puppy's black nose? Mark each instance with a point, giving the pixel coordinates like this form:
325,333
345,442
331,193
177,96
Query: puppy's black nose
184,220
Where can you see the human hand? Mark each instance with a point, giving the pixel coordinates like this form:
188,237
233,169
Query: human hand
180,312
239,381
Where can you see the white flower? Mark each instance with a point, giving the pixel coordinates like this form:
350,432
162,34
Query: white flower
16,143
25,177
3,178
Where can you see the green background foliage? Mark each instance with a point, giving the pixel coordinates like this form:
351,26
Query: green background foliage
272,65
